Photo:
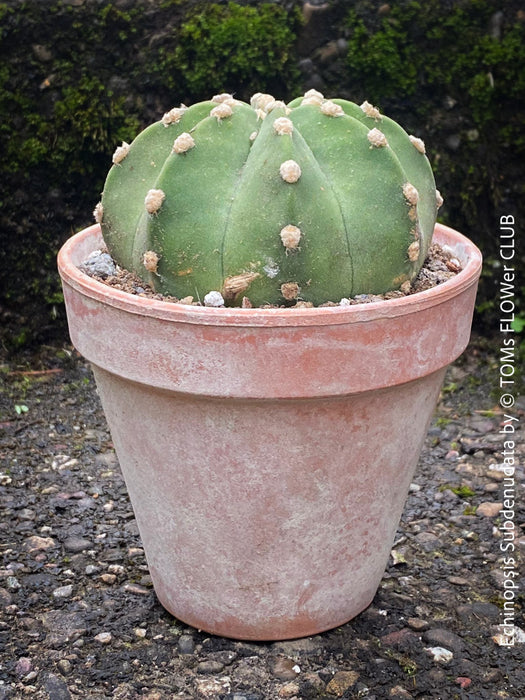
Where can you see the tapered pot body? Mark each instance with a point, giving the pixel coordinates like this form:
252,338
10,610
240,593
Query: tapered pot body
268,452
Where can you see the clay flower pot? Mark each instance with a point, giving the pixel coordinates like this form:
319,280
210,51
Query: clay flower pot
268,452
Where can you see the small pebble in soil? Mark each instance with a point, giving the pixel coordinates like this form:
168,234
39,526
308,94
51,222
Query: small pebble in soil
77,544
64,666
104,637
23,666
342,682
214,299
284,669
489,509
99,264
186,644
443,638
63,592
439,654
289,690
417,624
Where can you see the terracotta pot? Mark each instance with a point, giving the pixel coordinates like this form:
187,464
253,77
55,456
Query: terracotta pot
268,452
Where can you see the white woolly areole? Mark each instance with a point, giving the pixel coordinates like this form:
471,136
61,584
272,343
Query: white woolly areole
377,138
411,194
261,114
98,212
331,109
120,153
214,299
370,110
260,100
153,201
253,135
223,97
439,199
222,111
183,143
315,94
290,171
173,116
276,104
418,144
311,101
283,125
413,251
150,260
290,236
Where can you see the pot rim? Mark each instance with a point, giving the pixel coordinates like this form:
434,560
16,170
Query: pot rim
68,260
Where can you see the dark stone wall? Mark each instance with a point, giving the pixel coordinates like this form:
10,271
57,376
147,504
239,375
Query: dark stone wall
79,76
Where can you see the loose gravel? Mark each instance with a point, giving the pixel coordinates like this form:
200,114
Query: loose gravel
79,617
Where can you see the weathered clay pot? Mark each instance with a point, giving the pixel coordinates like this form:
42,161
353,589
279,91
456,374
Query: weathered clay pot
267,452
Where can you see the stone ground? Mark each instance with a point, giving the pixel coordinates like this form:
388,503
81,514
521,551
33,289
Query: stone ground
79,618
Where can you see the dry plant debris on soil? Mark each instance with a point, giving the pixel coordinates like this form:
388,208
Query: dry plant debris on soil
79,618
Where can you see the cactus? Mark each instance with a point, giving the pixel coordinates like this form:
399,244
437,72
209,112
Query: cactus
316,200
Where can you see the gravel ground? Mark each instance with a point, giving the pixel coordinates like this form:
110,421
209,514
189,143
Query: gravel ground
79,618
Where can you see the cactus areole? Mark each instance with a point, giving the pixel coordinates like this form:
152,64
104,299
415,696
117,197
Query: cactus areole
322,198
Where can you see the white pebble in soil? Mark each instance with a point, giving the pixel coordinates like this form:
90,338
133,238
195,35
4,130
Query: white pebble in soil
63,592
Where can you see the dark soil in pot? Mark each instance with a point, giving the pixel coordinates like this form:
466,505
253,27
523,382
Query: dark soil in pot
439,266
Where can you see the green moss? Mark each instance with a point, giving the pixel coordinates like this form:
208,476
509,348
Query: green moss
420,47
449,75
461,491
406,664
232,48
384,61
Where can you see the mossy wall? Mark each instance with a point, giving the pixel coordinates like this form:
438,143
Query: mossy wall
454,72
79,76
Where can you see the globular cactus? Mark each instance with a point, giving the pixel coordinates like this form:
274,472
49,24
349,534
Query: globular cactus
316,200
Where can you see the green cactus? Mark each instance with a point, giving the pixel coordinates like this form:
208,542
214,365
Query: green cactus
316,201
